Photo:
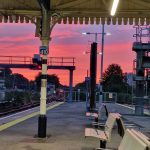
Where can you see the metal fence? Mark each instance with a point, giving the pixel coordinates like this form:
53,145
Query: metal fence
76,96
110,97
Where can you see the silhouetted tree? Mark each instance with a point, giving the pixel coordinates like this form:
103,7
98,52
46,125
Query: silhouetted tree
113,79
32,85
12,80
81,86
20,81
5,75
51,79
5,72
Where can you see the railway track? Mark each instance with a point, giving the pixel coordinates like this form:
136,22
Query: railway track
17,109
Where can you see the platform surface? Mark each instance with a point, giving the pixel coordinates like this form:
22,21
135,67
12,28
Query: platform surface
65,130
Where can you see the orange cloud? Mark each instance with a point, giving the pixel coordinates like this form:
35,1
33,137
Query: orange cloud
67,41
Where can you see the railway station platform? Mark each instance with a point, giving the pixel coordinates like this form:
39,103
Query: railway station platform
65,129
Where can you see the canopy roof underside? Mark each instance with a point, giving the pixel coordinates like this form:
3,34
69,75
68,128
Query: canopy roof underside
77,11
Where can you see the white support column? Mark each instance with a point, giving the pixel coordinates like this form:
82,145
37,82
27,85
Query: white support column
42,122
45,38
44,81
44,28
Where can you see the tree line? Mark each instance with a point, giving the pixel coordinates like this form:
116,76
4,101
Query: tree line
19,90
18,81
113,80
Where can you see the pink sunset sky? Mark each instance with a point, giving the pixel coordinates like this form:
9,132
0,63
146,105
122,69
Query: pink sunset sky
67,41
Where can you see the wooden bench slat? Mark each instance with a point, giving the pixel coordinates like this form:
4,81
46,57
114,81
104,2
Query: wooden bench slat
109,125
102,135
143,137
90,132
130,142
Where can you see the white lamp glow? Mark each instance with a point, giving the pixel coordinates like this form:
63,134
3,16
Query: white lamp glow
100,53
108,33
114,7
84,33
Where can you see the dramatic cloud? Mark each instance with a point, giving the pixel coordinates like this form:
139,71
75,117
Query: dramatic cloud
67,41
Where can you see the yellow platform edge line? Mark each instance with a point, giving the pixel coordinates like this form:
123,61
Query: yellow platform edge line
14,122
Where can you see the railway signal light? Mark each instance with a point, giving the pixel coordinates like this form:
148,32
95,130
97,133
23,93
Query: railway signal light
37,62
39,66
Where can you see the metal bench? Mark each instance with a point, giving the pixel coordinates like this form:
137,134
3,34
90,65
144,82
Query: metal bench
121,127
130,141
97,113
103,135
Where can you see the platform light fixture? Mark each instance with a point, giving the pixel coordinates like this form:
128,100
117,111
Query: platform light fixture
96,34
85,33
108,33
102,56
114,7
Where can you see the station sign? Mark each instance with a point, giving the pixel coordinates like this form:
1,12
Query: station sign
44,50
110,95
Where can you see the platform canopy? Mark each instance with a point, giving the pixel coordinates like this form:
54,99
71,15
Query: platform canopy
77,11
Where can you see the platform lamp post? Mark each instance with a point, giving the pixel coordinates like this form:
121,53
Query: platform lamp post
102,62
102,57
101,68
